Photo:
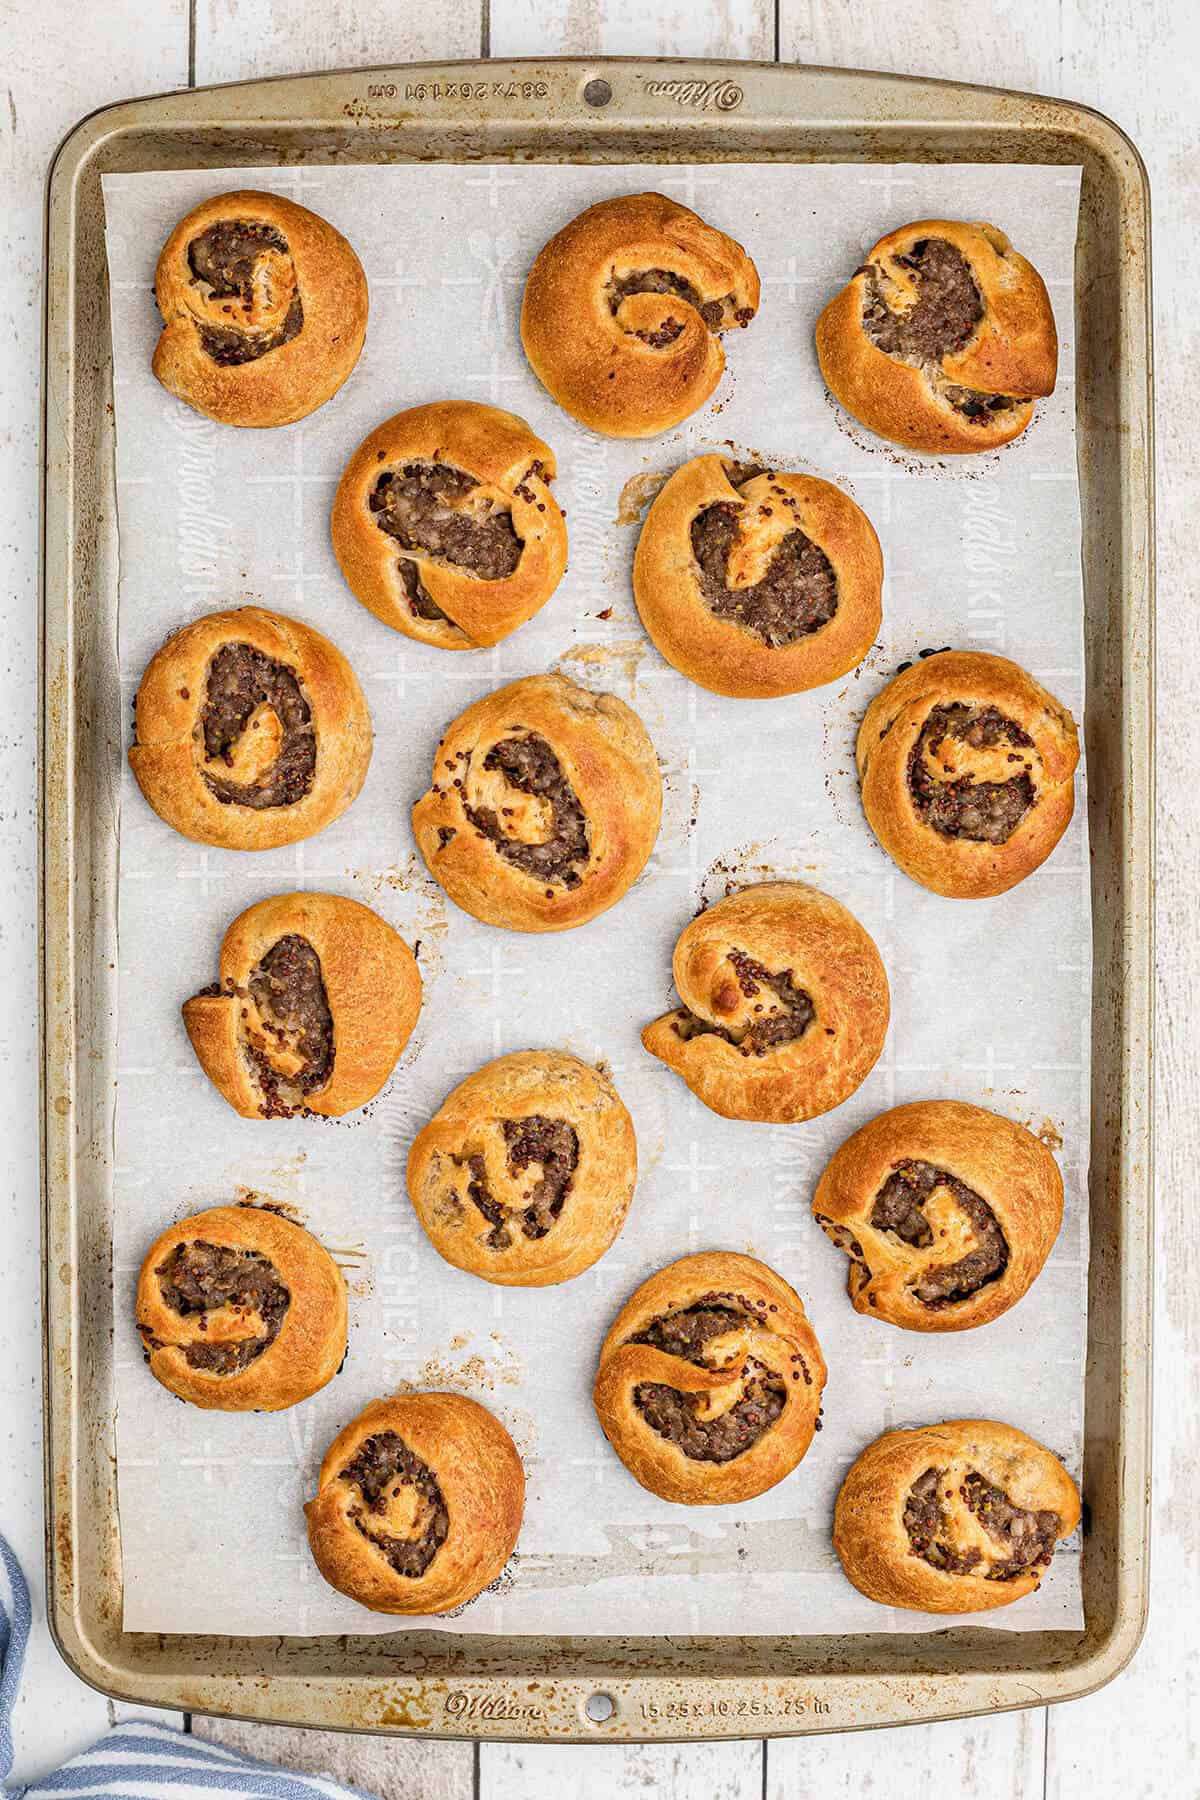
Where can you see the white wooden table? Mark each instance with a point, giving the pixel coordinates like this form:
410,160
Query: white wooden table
1133,59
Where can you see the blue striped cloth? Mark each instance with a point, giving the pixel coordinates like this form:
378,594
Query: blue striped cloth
140,1760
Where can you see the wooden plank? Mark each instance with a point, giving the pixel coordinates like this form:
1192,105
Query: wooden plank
731,1771
1141,1735
237,40
707,28
119,1713
719,28
633,1772
998,1758
51,76
1001,1756
390,1768
994,44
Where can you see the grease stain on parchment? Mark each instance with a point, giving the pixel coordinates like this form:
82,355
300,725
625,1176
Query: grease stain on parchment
1049,1134
637,494
622,657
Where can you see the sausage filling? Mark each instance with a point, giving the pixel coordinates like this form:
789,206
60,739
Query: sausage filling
686,1333
940,322
718,315
428,506
296,1056
551,1145
382,1466
198,1279
530,765
675,1415
859,1274
241,680
1026,1539
772,1026
899,1208
958,806
796,596
421,602
236,263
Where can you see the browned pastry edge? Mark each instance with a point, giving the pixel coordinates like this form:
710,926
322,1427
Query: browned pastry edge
475,1136
961,868
168,754
512,468
482,1484
785,927
718,652
1002,1164
780,1343
310,1343
873,1542
1013,351
371,984
296,377
603,366
602,749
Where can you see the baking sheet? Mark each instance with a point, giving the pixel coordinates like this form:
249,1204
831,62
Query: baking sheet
990,999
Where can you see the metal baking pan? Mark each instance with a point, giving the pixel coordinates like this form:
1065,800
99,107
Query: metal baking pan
611,110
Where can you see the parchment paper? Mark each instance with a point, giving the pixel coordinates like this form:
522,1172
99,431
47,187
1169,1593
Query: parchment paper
990,998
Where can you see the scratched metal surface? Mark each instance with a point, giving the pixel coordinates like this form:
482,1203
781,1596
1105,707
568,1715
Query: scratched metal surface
539,1688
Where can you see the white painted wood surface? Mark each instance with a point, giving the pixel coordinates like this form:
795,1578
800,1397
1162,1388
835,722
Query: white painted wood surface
45,86
1136,61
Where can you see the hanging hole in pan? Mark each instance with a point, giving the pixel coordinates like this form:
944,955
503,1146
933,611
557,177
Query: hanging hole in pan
597,92
599,1708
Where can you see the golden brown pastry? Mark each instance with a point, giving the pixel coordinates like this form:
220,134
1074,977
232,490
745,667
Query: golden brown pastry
709,1384
622,312
967,770
953,1518
544,805
754,583
942,339
317,998
250,731
947,1213
418,1504
264,309
445,527
525,1172
785,1005
240,1310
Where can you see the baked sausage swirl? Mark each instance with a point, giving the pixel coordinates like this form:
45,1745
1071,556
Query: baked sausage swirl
544,805
418,1504
946,1211
264,310
967,770
710,1379
317,998
785,1005
525,1172
445,527
953,1518
942,339
250,731
240,1310
622,312
756,584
